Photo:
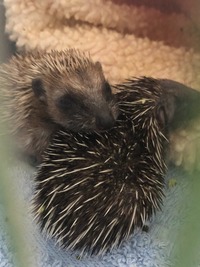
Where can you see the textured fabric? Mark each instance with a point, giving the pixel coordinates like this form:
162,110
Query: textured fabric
151,249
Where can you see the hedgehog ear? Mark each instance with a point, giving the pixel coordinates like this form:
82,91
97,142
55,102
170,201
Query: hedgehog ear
98,65
165,111
38,89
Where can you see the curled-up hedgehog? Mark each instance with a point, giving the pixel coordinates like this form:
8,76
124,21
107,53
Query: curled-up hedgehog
93,190
43,91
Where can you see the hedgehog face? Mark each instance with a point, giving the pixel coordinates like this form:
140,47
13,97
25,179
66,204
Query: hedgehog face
79,112
82,101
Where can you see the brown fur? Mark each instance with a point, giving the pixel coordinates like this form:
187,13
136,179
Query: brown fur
45,91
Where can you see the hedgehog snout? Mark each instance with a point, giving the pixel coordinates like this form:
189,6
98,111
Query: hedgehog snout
105,120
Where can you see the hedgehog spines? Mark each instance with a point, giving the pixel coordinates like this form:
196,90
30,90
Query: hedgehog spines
93,190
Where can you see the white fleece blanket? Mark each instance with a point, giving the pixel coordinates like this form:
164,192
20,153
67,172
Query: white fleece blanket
129,41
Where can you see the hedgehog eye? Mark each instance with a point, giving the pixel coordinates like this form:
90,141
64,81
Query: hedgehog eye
66,102
107,92
71,103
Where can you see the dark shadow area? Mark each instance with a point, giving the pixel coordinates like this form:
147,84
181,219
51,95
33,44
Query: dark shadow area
166,6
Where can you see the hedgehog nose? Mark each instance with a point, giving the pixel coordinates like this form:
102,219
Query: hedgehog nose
105,121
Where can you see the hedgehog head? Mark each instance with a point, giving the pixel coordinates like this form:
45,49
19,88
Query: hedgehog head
75,92
178,104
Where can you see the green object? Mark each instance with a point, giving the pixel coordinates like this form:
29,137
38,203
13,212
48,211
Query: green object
187,245
172,182
12,203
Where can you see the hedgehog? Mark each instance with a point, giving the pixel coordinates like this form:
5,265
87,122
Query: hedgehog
44,91
92,190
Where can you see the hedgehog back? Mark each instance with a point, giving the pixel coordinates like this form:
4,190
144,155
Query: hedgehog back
92,190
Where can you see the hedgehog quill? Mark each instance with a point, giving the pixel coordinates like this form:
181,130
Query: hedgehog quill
44,91
93,190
